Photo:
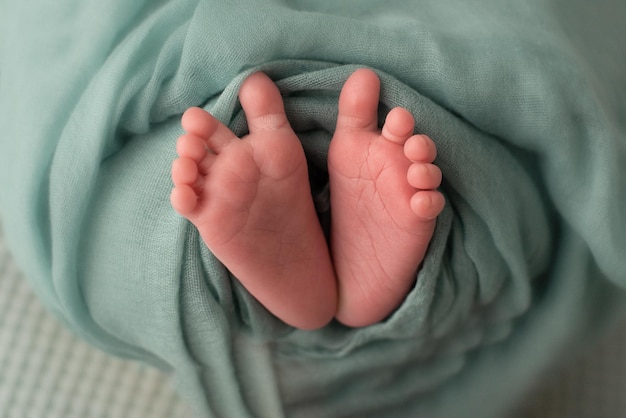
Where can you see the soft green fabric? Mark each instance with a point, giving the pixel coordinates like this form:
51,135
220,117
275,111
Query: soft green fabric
525,100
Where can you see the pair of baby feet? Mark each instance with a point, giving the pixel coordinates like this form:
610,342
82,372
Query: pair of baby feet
251,202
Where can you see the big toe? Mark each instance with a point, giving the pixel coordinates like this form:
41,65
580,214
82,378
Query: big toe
263,104
358,102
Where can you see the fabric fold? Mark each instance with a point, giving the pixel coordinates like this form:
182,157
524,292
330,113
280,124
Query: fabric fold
527,258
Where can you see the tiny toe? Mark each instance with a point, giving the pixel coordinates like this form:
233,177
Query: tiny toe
424,176
191,146
398,126
420,148
183,199
427,204
184,171
200,123
358,102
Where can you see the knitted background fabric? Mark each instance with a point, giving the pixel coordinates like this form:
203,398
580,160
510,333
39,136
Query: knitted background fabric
527,111
47,372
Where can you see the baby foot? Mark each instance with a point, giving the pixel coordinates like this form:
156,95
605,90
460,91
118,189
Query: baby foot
250,200
384,202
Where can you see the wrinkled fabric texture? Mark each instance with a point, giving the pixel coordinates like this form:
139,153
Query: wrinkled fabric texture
526,102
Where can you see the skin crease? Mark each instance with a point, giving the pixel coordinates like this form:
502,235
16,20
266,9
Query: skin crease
251,202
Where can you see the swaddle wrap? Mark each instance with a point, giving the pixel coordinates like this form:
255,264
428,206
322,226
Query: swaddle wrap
526,108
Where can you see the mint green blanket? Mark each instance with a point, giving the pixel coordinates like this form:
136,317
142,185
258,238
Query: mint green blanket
525,100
